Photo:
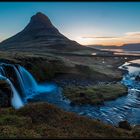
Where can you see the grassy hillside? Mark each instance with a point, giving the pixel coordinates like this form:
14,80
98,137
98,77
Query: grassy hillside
43,120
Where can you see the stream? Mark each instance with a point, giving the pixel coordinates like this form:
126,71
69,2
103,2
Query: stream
112,112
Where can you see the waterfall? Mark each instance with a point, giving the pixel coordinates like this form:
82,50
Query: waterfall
16,99
22,84
30,83
20,79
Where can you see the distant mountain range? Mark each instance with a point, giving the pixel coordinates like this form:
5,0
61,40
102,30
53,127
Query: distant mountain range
125,47
131,47
40,34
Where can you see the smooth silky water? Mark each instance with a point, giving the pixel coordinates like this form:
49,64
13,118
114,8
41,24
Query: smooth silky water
112,112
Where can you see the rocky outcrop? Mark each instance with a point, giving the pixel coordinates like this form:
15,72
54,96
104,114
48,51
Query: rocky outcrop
5,94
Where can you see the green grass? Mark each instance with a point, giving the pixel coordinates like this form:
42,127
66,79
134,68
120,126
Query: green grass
96,94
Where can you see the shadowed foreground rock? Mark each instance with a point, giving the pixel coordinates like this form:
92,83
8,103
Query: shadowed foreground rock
124,125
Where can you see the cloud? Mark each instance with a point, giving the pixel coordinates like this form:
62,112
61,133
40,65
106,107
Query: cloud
133,34
126,38
100,37
126,35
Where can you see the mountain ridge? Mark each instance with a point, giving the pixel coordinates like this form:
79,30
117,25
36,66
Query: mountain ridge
125,47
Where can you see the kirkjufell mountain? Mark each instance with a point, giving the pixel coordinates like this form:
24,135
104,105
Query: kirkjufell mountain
40,34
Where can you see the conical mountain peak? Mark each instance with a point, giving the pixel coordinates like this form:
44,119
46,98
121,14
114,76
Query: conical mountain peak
40,21
41,18
39,33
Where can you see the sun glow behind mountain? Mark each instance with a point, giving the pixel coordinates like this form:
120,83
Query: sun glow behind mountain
127,38
110,23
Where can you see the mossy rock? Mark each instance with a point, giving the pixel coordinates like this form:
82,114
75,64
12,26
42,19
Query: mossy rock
95,94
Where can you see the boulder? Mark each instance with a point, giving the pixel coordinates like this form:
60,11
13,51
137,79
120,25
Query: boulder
124,125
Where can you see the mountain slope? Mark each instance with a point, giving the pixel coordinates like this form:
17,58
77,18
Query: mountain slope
131,47
125,47
40,34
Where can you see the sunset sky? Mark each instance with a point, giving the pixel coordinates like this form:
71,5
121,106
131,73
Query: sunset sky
106,23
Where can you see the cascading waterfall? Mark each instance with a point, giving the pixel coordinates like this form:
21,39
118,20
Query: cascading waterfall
30,83
22,83
16,99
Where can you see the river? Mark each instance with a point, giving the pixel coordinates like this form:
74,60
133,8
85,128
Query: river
112,112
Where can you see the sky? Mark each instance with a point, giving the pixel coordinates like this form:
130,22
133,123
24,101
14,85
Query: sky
105,23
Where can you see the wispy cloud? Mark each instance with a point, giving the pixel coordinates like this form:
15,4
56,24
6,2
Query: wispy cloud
100,37
133,34
128,37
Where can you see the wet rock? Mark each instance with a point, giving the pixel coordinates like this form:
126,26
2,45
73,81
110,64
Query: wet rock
137,78
124,125
72,104
5,94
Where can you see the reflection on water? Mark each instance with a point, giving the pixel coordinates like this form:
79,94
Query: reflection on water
122,52
113,50
127,53
135,61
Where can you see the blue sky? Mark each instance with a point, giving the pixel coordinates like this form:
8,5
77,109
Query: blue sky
85,22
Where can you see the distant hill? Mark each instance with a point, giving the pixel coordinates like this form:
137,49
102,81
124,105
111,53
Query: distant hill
125,47
40,35
103,47
131,47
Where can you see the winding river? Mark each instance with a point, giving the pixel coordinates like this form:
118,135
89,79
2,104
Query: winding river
112,112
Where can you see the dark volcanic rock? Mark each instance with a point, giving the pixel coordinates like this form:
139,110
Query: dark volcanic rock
40,34
124,125
5,94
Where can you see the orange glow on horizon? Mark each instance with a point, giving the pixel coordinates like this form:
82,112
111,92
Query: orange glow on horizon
109,41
